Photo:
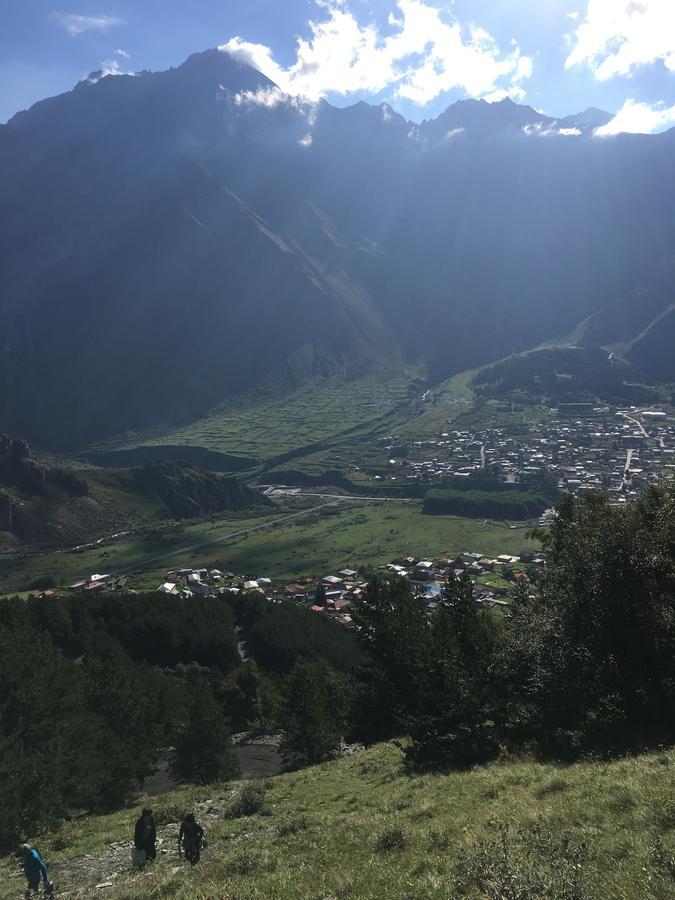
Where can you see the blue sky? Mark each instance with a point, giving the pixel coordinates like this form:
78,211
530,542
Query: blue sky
559,56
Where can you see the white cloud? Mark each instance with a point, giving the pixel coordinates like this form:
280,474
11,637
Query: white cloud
123,53
75,24
268,97
425,56
639,118
541,129
108,67
617,36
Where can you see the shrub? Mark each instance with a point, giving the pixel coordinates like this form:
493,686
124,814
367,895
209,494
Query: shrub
42,583
554,786
506,868
249,801
392,838
292,826
250,861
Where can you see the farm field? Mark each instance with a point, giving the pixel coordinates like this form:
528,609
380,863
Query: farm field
264,428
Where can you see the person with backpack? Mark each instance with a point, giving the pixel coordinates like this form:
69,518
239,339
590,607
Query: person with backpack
34,869
145,838
190,839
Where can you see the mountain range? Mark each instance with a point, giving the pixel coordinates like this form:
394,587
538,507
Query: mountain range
171,240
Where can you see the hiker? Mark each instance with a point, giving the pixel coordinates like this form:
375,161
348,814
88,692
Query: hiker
145,837
190,839
33,868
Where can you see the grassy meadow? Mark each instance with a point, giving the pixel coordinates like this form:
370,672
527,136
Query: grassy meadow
345,533
362,827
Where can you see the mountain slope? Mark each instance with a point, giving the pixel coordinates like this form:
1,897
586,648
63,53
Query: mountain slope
171,240
363,827
61,505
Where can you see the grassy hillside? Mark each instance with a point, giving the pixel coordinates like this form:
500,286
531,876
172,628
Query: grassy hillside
264,427
362,827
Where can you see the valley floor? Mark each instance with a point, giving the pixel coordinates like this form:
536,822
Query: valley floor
306,536
361,827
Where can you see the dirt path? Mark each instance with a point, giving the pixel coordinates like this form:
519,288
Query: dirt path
108,871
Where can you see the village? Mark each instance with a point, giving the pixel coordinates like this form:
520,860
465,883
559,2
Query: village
584,447
334,594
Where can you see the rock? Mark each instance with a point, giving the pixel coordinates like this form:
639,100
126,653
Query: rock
103,885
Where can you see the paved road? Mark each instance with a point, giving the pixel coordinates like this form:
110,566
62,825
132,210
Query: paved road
638,423
624,477
297,493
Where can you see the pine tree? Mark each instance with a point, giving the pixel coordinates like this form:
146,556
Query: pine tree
201,752
314,713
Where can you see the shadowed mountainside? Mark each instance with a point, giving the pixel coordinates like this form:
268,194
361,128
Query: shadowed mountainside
170,240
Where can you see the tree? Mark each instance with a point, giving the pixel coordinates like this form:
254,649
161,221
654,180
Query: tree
314,713
128,719
591,656
453,723
201,752
393,630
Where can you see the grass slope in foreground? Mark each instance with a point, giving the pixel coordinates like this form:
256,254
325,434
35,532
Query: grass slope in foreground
363,828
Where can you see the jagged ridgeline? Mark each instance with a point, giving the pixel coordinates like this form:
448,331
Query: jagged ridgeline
206,245
61,503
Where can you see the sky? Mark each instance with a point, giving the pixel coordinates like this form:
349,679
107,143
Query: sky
559,56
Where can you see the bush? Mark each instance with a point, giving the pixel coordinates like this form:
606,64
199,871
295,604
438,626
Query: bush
42,583
250,800
292,826
392,838
250,861
554,786
526,865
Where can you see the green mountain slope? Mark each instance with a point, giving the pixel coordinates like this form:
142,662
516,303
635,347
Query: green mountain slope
363,828
63,504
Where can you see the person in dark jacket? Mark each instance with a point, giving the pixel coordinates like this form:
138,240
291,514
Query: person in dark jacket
190,838
33,868
145,834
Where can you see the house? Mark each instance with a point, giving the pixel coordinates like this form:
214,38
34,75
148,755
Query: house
199,589
315,608
349,574
251,586
91,583
331,580
169,587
